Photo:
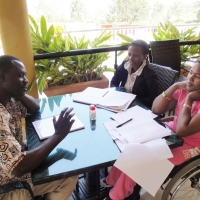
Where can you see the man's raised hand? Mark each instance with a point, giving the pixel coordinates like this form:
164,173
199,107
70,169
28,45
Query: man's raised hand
64,123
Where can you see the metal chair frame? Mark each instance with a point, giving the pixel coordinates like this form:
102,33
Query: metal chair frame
175,182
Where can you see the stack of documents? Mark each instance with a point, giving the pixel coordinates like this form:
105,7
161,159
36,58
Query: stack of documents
104,98
145,155
141,127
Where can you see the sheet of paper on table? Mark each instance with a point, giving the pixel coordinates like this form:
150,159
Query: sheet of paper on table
144,131
118,139
135,132
150,165
136,113
160,146
45,127
141,128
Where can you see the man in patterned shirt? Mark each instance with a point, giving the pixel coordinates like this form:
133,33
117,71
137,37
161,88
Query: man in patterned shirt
15,163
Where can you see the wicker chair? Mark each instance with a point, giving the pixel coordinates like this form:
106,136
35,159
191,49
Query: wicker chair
167,53
166,76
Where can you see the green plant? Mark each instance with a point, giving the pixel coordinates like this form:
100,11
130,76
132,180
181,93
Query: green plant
70,69
167,31
126,42
45,40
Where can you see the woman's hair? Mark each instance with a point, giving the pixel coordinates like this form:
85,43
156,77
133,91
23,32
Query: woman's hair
142,44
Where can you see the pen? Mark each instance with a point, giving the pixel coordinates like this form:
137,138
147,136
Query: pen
123,123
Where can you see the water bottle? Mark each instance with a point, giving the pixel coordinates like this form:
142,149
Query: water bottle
92,112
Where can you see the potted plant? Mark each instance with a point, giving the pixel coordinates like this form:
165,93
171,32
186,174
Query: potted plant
72,73
167,31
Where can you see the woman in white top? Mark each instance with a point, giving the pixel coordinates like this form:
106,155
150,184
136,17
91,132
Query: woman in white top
135,75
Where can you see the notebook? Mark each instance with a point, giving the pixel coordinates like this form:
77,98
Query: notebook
104,98
45,127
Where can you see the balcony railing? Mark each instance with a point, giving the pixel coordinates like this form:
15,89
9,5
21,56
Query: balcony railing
97,50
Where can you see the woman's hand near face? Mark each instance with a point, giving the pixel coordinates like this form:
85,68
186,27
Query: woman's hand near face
181,85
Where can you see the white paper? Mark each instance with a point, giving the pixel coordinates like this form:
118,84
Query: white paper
136,112
161,147
45,127
145,166
119,140
116,99
121,145
111,128
140,132
90,95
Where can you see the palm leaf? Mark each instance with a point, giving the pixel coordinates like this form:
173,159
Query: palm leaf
31,85
49,34
34,23
43,27
42,82
125,37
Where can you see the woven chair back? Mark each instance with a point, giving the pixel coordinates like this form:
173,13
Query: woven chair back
166,53
166,76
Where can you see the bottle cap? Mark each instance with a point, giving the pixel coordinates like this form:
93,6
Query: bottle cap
92,107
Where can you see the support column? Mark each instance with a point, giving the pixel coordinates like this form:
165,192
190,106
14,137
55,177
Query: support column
15,35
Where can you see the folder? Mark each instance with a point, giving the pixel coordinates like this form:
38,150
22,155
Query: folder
104,98
45,127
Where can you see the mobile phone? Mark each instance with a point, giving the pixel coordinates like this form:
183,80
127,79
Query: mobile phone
173,141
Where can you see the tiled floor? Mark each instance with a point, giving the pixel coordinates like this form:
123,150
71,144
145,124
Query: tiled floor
83,191
146,196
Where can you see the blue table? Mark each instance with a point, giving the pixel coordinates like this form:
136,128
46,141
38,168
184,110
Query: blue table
86,150
89,149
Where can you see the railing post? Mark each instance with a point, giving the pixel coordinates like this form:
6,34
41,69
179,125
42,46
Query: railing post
115,65
150,56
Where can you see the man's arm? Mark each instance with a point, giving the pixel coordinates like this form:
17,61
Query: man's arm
30,103
34,157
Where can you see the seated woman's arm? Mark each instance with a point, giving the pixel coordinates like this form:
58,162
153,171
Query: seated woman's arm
187,125
152,91
161,104
119,76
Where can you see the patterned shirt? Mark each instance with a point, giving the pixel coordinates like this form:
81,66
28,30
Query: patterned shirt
11,142
132,76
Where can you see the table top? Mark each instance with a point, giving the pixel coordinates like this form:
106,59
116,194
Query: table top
82,151
88,149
